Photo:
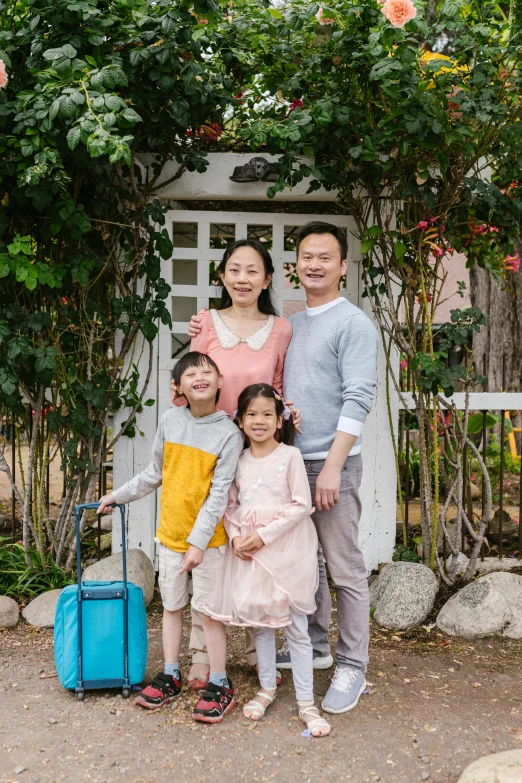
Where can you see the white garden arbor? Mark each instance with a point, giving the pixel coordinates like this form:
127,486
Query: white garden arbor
208,211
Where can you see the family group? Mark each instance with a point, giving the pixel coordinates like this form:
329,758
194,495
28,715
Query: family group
237,494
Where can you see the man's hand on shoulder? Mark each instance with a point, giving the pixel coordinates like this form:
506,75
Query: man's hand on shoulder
193,558
327,488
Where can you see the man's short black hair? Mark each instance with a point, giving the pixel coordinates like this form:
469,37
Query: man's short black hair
320,227
193,359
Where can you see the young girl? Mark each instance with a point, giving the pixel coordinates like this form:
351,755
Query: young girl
270,573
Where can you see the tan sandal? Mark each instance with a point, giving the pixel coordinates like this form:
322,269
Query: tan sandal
258,711
311,709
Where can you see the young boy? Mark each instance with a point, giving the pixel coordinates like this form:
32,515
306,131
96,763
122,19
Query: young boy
194,458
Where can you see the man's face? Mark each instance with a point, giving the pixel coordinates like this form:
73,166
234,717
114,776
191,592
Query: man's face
200,384
319,263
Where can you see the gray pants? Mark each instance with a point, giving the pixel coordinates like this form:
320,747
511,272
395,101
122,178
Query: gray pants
301,654
338,532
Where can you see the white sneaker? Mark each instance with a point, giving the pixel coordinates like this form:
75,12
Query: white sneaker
345,690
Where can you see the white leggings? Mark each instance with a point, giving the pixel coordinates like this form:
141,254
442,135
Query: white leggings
301,654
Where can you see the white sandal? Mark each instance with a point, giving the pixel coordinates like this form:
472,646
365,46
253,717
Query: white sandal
258,711
310,709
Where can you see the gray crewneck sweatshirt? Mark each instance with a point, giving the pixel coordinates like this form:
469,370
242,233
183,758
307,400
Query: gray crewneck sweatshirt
330,374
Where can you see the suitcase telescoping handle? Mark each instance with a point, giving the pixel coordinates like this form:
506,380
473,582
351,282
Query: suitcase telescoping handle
122,594
78,514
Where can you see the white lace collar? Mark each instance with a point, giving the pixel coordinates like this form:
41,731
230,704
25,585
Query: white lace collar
228,339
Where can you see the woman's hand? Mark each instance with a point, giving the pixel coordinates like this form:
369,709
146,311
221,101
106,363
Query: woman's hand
250,545
237,541
175,394
296,416
194,327
107,503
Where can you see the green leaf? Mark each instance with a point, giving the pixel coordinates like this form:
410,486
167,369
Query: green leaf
400,250
31,283
275,13
73,137
67,107
69,51
53,54
199,33
55,108
113,102
131,115
475,422
367,246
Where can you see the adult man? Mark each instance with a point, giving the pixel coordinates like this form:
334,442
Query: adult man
329,374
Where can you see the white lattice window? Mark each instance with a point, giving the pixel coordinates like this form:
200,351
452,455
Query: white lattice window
199,240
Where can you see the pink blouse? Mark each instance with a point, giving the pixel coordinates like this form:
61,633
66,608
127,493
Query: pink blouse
244,361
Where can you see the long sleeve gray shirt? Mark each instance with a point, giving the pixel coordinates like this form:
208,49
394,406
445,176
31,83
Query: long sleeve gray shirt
330,374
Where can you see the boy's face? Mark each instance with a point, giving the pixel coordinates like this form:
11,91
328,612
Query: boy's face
200,384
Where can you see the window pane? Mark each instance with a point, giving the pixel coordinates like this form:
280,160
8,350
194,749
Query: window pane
185,234
184,272
180,345
290,237
222,235
183,307
291,280
262,234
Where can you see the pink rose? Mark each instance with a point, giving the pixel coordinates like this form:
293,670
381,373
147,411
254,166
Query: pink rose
3,75
323,19
404,364
422,224
399,12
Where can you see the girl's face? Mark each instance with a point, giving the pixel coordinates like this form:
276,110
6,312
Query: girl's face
245,276
261,421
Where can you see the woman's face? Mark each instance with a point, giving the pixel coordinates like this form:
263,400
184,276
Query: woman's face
245,277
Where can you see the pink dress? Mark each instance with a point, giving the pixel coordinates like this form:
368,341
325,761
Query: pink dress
270,495
255,359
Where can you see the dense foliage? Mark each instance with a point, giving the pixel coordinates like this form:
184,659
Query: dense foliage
100,96
418,129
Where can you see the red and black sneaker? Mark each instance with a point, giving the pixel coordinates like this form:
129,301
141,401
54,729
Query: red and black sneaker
215,703
163,689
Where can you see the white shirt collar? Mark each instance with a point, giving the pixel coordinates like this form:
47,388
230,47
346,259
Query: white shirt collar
322,308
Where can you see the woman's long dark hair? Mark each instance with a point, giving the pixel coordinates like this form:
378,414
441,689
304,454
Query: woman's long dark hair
286,433
265,301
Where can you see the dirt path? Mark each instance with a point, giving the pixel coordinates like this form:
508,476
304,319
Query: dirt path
436,704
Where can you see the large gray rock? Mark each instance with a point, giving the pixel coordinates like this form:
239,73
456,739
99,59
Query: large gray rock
503,767
139,570
403,594
492,604
41,610
9,612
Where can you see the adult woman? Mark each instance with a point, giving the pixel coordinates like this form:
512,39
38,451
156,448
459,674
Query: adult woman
248,341
245,337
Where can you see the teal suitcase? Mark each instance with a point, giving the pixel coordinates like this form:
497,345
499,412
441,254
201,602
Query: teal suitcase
100,630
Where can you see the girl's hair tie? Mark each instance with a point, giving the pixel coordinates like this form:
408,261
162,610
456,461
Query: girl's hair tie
276,395
286,413
235,414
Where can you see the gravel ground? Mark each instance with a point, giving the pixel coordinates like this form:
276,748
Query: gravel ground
435,705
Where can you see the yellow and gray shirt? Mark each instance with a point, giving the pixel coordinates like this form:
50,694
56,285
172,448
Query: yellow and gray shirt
195,462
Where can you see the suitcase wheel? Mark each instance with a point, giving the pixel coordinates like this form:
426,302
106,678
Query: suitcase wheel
126,692
80,695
